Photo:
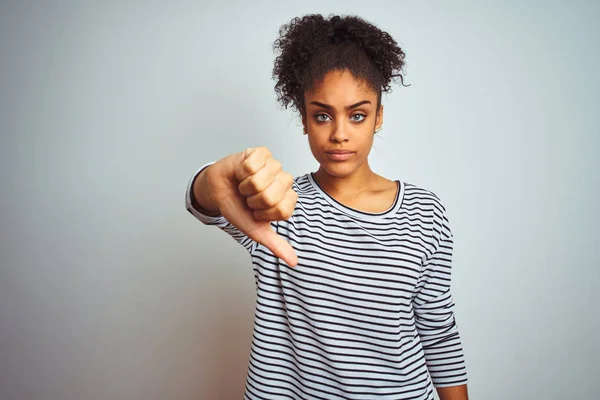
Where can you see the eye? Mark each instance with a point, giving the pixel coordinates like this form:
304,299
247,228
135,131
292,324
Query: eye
358,117
321,117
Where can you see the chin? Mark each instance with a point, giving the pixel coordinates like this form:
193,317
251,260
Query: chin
339,170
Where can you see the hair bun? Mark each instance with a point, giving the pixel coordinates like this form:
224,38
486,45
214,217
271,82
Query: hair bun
339,31
306,53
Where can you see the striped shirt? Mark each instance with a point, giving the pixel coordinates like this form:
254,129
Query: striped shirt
367,312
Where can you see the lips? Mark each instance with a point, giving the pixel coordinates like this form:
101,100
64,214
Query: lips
339,154
339,151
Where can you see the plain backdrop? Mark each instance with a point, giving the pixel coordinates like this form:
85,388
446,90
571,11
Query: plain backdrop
109,289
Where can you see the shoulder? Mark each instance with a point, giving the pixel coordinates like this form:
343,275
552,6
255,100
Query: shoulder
302,180
302,185
427,207
415,196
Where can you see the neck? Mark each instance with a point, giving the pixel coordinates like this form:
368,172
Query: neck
348,185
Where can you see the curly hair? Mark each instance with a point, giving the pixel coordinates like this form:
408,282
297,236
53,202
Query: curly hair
311,46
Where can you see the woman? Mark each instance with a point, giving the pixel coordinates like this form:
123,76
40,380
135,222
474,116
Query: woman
352,269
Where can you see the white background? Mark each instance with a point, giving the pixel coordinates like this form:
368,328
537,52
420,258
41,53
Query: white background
109,289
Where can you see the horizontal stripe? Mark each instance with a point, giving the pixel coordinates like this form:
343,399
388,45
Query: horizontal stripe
368,311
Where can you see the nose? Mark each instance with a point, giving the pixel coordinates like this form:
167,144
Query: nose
339,134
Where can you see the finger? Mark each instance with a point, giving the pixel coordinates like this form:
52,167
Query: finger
259,181
281,212
254,160
235,211
272,195
277,244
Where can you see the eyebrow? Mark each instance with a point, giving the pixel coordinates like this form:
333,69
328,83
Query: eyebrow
350,107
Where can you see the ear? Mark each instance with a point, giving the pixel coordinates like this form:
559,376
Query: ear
304,126
379,117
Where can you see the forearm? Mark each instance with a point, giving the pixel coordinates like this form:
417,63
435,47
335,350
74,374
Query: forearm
441,342
443,351
445,361
453,393
201,198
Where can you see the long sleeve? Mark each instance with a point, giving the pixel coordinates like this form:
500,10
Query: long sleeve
218,221
434,310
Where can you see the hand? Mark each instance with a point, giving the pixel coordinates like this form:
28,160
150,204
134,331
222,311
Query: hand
250,190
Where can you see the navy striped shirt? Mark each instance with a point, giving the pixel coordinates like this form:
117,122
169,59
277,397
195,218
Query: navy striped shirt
367,313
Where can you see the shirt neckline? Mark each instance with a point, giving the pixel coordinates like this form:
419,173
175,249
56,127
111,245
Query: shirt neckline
358,213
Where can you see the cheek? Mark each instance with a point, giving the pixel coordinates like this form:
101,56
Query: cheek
314,145
317,137
366,140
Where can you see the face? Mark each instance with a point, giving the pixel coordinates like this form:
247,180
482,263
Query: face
340,120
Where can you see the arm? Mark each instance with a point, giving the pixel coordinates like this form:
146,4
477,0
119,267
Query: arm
198,194
434,315
199,203
453,393
243,194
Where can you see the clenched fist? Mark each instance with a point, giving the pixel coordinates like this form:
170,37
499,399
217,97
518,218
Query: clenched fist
250,190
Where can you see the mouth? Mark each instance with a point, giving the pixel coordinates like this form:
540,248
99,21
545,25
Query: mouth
339,155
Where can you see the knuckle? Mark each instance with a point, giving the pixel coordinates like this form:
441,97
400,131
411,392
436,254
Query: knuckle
249,167
286,212
276,165
263,152
284,179
270,201
278,213
290,180
292,206
255,184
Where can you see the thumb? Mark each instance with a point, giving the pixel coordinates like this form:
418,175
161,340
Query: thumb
235,211
278,245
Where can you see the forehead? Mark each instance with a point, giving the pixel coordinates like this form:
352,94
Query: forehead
340,87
